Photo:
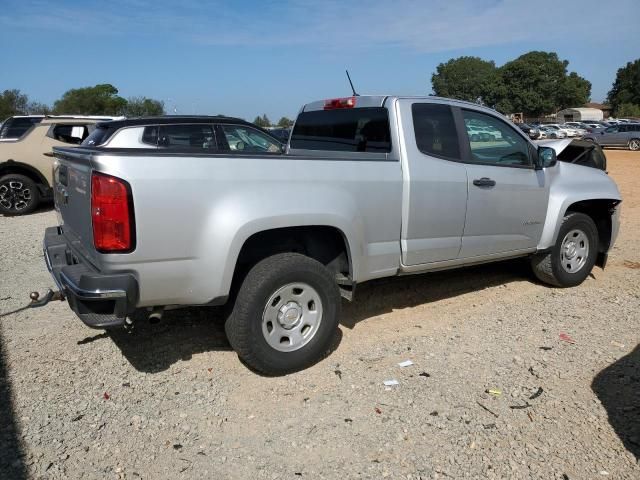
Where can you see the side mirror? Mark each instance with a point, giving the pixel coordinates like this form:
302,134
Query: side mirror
546,158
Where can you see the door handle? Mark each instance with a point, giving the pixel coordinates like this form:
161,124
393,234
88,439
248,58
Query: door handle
484,182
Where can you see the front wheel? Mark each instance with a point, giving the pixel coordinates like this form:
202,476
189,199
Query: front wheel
573,256
285,315
634,145
19,195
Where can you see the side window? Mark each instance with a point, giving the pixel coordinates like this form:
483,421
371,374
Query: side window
611,130
197,136
239,138
497,143
435,130
73,134
150,135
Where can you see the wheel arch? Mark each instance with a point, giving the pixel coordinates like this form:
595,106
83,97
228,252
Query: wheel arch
325,242
11,166
602,211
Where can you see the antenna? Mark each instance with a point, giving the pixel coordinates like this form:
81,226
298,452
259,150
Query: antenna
351,83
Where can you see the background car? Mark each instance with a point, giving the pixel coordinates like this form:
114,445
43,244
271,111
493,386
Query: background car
577,130
533,132
571,132
551,132
281,134
622,135
26,162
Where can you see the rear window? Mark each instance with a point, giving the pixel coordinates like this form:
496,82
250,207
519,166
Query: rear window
16,127
346,130
100,135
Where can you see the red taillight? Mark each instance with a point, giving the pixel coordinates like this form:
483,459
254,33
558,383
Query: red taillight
335,103
111,214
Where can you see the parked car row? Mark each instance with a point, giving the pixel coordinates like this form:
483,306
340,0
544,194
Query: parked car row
26,144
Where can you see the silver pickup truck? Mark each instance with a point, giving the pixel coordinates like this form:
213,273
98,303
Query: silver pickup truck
206,211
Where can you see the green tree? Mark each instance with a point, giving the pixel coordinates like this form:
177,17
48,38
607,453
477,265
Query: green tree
465,78
101,99
143,107
537,83
628,110
285,122
262,121
37,108
12,102
626,87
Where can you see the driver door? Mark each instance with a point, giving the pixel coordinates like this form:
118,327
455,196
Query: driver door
507,199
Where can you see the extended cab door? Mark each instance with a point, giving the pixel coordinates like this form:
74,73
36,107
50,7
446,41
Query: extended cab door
435,182
508,198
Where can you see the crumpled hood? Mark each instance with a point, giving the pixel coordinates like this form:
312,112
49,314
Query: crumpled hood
558,145
579,152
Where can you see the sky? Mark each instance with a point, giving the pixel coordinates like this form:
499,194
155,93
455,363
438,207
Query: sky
249,57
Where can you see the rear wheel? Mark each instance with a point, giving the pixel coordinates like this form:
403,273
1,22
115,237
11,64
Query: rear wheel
573,256
634,144
285,315
19,195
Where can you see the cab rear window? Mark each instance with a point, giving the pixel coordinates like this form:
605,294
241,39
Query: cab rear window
346,130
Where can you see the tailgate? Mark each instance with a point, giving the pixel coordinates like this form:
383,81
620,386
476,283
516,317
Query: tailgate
72,196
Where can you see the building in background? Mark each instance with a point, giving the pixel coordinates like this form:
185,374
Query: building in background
579,115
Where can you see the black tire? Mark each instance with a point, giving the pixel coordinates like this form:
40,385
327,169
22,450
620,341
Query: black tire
634,144
548,266
244,326
19,195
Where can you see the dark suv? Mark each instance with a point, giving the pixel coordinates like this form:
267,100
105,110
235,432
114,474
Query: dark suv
621,135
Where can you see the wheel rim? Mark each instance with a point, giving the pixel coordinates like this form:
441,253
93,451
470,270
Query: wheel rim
292,317
15,195
634,144
574,251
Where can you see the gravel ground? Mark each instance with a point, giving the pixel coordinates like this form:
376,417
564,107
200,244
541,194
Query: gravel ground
172,400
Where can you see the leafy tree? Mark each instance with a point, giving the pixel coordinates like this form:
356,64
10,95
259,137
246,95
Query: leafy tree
628,110
285,122
537,83
12,102
534,83
574,91
37,108
143,106
626,87
101,99
465,78
262,121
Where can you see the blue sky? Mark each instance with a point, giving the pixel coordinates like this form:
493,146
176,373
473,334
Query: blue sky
248,57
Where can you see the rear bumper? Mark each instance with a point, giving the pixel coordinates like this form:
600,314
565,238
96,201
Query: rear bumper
100,300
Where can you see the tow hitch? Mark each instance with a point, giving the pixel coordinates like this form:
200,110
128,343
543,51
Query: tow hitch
37,302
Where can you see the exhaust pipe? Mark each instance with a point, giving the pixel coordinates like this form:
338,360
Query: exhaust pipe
156,315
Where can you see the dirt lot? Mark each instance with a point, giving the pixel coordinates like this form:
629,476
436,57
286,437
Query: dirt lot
173,401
